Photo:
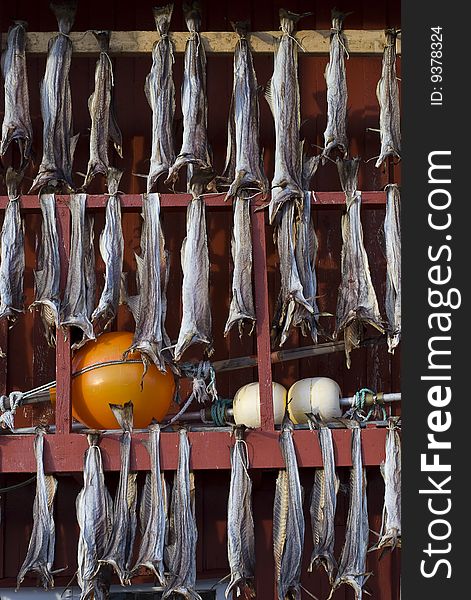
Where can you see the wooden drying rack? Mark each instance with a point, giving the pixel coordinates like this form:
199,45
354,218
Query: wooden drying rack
210,449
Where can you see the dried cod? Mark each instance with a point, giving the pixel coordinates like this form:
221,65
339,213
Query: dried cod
104,126
183,534
153,513
112,251
356,304
352,566
288,520
335,135
118,551
47,275
12,253
392,235
240,525
56,105
160,93
95,518
16,121
387,93
40,554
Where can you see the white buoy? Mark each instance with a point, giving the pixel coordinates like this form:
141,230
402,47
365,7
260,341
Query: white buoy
314,395
246,404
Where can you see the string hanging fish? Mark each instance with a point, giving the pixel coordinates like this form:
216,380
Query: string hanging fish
95,518
240,525
392,236
357,304
153,513
17,120
288,520
104,126
352,566
118,551
387,92
160,94
12,254
183,535
244,171
40,554
47,276
335,135
56,105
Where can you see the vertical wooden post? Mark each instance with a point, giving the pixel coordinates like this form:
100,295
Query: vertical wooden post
63,355
263,319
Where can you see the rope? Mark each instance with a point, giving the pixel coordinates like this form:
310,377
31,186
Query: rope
359,402
218,411
17,486
7,418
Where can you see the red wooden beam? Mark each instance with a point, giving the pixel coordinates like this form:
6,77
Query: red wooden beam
209,450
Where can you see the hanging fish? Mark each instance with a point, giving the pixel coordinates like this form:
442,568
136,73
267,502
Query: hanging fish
16,121
112,251
118,551
195,148
75,310
288,520
12,253
183,534
95,518
160,94
282,94
390,534
387,93
392,235
196,319
323,505
47,275
240,525
149,307
56,105
335,135
356,303
153,513
104,126
40,554
352,566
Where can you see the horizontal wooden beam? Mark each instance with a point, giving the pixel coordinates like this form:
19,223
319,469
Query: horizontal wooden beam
131,43
134,201
209,450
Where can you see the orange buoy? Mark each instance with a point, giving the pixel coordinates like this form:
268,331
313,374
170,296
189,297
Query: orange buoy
94,390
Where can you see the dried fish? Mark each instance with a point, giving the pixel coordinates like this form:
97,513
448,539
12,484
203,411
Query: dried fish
118,551
196,318
356,304
95,518
352,566
240,525
104,126
282,94
392,235
47,276
112,251
390,534
195,148
40,554
56,105
183,534
153,513
323,505
150,337
160,93
16,121
387,93
76,305
288,520
12,254
335,135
